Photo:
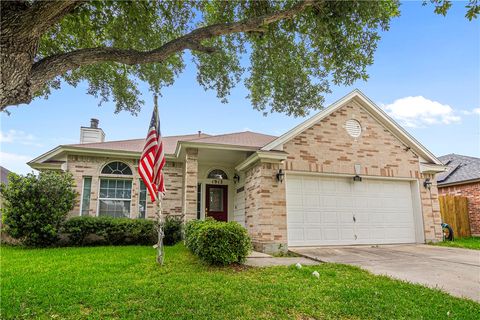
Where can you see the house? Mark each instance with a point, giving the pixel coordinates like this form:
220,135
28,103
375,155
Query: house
3,180
348,175
462,178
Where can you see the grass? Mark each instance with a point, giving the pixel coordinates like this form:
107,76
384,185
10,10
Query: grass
125,282
467,243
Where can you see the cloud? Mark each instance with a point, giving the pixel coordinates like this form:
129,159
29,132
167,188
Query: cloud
470,112
420,112
18,136
15,162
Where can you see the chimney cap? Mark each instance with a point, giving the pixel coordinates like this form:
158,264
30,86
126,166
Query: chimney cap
94,123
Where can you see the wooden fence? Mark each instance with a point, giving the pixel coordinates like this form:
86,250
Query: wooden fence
454,211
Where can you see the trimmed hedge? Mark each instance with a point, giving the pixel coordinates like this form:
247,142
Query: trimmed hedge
218,243
84,231
172,230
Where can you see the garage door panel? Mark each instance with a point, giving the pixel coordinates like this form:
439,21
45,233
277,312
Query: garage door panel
344,202
329,217
313,233
310,185
320,211
313,216
311,200
295,216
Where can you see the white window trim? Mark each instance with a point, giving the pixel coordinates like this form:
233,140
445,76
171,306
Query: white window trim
117,199
81,195
146,197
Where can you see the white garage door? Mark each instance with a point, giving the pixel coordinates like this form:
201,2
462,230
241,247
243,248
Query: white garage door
339,211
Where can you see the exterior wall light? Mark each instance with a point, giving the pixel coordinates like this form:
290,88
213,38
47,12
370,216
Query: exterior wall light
427,183
358,169
280,175
236,178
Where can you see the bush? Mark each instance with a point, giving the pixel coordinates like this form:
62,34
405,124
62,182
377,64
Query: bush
35,206
218,243
172,230
83,231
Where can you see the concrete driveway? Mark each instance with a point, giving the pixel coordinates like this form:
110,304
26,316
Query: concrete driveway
457,271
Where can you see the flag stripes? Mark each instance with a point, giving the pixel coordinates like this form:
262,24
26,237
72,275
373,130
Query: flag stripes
153,159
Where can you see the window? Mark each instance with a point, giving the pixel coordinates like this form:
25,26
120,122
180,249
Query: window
87,188
115,195
217,174
115,198
117,167
199,200
142,201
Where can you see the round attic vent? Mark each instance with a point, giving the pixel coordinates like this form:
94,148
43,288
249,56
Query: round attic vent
354,128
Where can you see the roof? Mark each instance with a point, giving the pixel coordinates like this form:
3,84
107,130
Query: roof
374,110
136,145
459,169
245,139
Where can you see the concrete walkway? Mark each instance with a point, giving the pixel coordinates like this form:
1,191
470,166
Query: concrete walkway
454,270
259,259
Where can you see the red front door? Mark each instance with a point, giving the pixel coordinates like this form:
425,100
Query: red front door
217,202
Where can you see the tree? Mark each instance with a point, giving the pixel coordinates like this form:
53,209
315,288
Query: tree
296,48
36,206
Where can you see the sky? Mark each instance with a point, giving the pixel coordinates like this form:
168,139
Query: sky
426,75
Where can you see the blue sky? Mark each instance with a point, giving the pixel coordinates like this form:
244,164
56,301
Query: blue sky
426,75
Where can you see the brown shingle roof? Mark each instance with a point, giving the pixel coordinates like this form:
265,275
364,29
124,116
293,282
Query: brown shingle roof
244,139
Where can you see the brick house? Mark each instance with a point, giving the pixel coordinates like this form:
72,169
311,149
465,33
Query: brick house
462,178
348,175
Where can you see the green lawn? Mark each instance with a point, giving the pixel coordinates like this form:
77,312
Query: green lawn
125,282
467,243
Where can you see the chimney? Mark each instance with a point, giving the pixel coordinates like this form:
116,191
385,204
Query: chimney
94,123
93,133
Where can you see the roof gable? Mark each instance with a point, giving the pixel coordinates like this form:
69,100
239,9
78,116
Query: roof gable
375,111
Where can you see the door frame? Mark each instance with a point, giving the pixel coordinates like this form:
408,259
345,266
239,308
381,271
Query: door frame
225,198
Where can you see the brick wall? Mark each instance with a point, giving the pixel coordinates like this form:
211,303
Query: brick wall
190,184
326,147
81,166
472,192
265,208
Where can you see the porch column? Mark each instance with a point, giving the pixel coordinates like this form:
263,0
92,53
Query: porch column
265,207
190,184
432,218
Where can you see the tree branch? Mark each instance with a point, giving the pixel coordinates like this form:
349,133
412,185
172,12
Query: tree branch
50,67
43,14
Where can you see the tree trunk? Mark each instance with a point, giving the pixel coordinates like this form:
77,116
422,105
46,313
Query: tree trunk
17,52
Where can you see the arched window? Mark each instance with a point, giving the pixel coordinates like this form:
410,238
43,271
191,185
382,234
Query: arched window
117,167
217,174
115,194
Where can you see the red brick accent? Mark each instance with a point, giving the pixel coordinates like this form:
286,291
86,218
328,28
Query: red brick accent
472,192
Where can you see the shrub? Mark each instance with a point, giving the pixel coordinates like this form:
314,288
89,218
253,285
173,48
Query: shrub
83,231
219,243
172,230
35,206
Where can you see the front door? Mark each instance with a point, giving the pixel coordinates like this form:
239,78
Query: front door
217,202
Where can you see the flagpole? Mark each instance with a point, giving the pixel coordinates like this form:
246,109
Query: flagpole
160,253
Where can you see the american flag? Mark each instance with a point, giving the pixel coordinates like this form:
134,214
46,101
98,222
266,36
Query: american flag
153,160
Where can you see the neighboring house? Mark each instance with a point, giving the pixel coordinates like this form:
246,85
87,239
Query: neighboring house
4,175
348,175
462,178
3,180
